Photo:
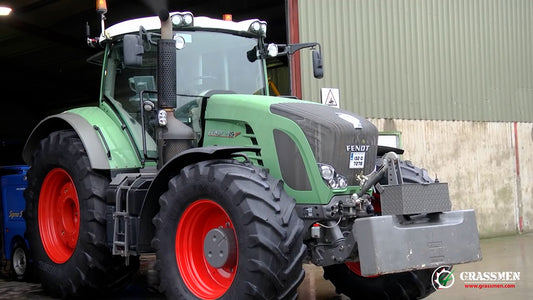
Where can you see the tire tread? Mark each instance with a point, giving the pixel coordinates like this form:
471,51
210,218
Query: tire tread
275,231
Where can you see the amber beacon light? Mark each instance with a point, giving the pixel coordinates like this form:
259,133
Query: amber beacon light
101,6
227,17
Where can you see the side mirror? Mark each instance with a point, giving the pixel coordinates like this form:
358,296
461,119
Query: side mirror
252,54
318,68
270,51
133,50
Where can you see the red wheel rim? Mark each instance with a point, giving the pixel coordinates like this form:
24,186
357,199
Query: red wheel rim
202,279
356,268
59,215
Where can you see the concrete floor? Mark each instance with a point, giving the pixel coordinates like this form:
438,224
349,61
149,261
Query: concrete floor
502,254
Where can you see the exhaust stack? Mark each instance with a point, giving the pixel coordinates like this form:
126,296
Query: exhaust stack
173,136
166,58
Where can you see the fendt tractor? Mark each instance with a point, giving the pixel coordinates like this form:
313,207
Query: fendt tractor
188,157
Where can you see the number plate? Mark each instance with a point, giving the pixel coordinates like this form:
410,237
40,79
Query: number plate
357,160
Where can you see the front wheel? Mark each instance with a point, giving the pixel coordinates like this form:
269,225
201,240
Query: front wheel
347,277
228,230
347,280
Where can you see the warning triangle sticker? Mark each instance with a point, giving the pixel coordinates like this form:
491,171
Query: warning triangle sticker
330,99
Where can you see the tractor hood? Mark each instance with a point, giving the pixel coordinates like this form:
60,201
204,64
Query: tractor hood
338,138
305,134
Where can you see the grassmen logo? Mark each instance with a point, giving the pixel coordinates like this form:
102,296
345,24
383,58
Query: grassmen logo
490,280
442,277
490,276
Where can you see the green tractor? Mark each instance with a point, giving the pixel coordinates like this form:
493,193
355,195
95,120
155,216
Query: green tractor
188,157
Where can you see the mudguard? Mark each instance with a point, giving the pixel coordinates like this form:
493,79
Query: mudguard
170,169
107,145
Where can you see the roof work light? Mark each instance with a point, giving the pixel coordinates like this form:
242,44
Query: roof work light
5,11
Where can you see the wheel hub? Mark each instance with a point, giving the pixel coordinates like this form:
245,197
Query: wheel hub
59,215
220,247
19,261
207,253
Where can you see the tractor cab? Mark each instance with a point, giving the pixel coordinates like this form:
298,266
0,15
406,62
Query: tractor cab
211,55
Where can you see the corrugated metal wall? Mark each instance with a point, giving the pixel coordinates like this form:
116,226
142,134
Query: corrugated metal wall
423,59
488,167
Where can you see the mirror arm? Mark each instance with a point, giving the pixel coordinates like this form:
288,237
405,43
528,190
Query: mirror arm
290,49
293,48
297,47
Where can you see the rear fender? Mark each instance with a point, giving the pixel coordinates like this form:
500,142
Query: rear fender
107,145
170,169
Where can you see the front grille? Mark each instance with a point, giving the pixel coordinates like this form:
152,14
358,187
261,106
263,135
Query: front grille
332,138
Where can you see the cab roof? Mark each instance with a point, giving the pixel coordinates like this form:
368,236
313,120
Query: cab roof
153,23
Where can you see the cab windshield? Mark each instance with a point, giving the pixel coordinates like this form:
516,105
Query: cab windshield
217,61
206,62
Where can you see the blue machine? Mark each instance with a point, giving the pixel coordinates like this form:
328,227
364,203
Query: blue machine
14,247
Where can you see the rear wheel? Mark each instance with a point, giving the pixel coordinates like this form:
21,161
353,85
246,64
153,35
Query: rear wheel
66,223
228,230
348,280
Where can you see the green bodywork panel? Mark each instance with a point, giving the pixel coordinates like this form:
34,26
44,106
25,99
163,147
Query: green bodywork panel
230,120
246,120
122,154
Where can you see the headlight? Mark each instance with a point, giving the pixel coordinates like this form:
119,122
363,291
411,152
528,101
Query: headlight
183,20
337,183
177,19
187,19
326,171
331,178
258,27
